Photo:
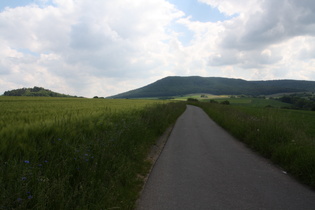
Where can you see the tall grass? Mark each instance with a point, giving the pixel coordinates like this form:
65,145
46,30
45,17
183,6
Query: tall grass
285,136
79,153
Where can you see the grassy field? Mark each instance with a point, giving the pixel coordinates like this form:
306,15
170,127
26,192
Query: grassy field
201,97
254,102
71,153
287,137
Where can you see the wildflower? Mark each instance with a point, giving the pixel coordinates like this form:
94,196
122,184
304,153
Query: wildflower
19,200
86,154
46,161
30,197
26,161
59,139
24,178
40,165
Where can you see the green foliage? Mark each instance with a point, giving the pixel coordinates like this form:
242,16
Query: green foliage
35,91
253,102
225,102
176,86
300,101
70,153
192,99
284,136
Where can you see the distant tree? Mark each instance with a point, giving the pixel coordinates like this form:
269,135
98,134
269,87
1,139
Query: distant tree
95,97
192,99
225,103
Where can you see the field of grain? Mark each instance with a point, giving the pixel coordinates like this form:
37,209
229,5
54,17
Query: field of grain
72,153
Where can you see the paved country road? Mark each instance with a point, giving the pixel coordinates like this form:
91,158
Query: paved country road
203,167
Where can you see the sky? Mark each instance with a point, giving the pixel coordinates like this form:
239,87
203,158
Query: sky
105,47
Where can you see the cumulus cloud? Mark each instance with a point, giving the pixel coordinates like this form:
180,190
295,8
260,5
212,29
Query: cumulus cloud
77,40
106,47
264,35
277,21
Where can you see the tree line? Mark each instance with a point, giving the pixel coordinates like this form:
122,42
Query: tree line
298,101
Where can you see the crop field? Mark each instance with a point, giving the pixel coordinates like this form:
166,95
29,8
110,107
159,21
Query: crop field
287,137
72,153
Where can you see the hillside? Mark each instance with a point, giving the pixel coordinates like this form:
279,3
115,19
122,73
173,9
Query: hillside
175,86
35,91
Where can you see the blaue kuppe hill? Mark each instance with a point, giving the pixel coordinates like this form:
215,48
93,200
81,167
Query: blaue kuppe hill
176,86
35,91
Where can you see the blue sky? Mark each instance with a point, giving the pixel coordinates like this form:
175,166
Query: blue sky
14,3
199,11
105,47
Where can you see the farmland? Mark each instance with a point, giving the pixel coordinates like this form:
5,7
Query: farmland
69,153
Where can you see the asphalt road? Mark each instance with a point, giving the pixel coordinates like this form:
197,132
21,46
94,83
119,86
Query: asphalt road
203,167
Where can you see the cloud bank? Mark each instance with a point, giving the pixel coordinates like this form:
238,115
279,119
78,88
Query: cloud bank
103,48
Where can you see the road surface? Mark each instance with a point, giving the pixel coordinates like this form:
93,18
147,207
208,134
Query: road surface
203,167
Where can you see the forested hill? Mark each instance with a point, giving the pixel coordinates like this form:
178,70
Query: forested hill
35,91
175,86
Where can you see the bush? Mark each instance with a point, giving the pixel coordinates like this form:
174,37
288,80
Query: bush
225,103
192,99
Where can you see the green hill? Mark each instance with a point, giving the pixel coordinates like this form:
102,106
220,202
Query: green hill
35,91
175,86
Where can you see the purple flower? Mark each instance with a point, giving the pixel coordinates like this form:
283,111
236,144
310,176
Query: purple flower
46,161
40,165
19,200
24,178
26,161
30,197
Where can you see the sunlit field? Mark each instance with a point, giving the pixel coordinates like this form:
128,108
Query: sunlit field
72,153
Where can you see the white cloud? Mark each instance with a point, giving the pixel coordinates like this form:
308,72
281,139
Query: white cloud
79,41
102,48
232,7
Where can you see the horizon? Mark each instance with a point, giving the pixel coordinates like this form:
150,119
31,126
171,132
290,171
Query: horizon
162,79
85,48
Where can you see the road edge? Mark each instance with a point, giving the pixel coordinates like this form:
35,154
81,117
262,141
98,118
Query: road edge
153,156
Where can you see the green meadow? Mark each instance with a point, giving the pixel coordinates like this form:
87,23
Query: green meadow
286,137
72,153
253,102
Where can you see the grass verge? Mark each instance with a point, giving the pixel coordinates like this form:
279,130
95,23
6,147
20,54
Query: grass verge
284,136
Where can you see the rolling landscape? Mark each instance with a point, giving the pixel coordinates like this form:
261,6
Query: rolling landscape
177,86
89,88
92,153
